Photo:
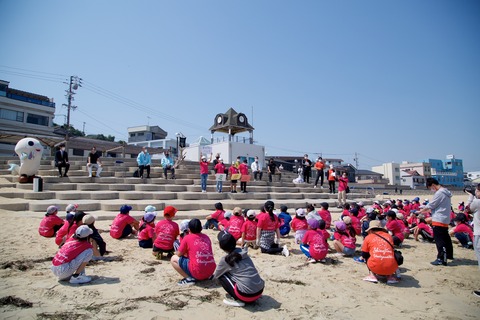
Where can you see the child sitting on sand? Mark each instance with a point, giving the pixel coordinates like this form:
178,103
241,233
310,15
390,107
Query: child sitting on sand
462,231
325,214
167,232
249,231
235,223
237,273
423,229
194,259
343,241
98,245
285,220
183,226
214,218
313,244
51,223
299,225
123,225
69,227
146,231
224,224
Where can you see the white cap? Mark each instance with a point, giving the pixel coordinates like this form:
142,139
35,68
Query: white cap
300,212
83,231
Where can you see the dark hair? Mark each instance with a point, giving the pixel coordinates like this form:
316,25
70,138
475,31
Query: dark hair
219,206
321,224
392,214
324,205
432,181
78,216
346,206
283,208
310,207
228,244
195,226
269,205
351,230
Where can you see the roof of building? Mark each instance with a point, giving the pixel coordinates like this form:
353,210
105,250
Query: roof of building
362,172
231,122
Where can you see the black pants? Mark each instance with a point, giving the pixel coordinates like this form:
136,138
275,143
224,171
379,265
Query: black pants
443,243
102,246
141,168
257,173
320,176
243,186
274,249
172,169
306,174
331,185
229,285
65,165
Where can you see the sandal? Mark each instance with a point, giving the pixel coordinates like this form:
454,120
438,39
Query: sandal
359,259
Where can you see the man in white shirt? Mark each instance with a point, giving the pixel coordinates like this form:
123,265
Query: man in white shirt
256,169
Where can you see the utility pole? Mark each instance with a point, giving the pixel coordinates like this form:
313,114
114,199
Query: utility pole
356,160
74,83
83,131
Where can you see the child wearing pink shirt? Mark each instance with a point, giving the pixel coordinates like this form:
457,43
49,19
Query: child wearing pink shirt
395,227
313,244
68,228
183,226
236,223
224,224
325,214
51,223
194,259
146,231
423,229
233,182
243,168
462,231
123,225
249,231
166,232
343,242
214,218
299,225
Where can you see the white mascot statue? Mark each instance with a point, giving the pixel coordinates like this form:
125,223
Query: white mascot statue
30,151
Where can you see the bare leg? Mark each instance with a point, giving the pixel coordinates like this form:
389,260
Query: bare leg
176,266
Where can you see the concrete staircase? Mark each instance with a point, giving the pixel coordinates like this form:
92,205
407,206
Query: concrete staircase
117,186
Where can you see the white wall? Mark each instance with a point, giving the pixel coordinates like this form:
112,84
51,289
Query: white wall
229,151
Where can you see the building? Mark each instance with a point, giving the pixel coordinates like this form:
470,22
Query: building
24,114
390,171
369,177
413,179
448,172
422,168
152,137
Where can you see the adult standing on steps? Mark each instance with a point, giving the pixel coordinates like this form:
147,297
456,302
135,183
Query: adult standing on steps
144,161
272,170
61,160
319,165
307,168
204,171
256,169
93,161
440,208
168,164
331,179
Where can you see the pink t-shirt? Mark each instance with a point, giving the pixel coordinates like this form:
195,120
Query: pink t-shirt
47,224
361,213
266,223
220,167
299,224
225,223
204,167
396,227
69,251
243,168
426,227
119,223
326,234
463,228
235,228
198,249
218,215
357,225
342,184
167,231
65,232
317,244
347,241
250,230
147,233
326,216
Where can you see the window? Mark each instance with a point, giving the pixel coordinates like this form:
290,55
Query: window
78,152
37,119
132,135
140,134
11,115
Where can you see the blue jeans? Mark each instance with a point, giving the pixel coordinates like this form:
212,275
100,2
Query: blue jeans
203,178
209,223
306,250
219,186
463,238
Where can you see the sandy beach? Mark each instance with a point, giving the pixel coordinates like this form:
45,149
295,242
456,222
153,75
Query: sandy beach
134,285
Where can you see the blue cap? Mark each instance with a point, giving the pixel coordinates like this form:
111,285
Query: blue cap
125,209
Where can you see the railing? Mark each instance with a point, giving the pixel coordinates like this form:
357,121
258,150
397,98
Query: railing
31,100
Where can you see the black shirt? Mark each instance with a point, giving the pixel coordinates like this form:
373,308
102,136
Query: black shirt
93,157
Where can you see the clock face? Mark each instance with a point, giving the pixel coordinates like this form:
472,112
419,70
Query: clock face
241,119
219,119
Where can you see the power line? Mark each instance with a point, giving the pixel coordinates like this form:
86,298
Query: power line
53,74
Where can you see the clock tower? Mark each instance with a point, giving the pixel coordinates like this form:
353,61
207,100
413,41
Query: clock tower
231,122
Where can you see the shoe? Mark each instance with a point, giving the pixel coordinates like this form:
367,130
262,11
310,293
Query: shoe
186,282
285,251
322,261
65,176
80,279
148,177
90,176
438,262
99,176
311,260
477,293
60,176
391,280
359,259
398,274
314,187
233,303
371,278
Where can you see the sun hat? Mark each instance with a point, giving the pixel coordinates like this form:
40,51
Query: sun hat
400,216
125,208
375,224
88,219
313,223
340,225
169,211
360,203
237,211
83,231
347,220
52,209
149,216
370,209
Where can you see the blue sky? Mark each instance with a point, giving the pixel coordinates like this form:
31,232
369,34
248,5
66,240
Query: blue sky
390,80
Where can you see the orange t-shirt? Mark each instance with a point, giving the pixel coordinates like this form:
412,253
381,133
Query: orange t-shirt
331,177
382,260
319,165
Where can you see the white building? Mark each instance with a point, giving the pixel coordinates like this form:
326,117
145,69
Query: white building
390,171
412,179
422,168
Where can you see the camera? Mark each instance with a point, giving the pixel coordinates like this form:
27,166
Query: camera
469,189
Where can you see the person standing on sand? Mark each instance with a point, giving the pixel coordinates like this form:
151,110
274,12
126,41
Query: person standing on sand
473,203
440,208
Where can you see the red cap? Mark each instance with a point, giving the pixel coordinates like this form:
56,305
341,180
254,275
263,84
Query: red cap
169,211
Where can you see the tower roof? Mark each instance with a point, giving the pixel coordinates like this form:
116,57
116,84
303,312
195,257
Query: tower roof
231,122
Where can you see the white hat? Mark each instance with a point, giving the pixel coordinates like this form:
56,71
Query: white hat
83,231
88,219
184,225
203,157
227,214
71,207
300,212
220,159
251,213
150,208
